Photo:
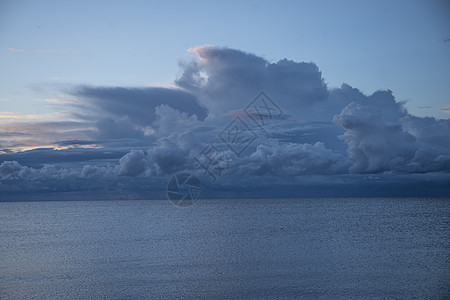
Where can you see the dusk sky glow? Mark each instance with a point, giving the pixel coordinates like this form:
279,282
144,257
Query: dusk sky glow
114,97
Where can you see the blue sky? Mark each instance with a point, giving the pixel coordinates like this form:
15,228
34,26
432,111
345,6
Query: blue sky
107,93
397,45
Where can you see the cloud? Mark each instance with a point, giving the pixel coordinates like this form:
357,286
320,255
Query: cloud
289,159
225,79
168,157
299,82
428,131
24,134
135,112
105,114
16,50
139,103
324,142
446,109
168,120
116,129
11,115
383,138
12,170
73,157
133,163
374,144
8,169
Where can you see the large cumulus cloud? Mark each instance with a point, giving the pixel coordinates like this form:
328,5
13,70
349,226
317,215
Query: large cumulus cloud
374,144
328,139
383,138
226,79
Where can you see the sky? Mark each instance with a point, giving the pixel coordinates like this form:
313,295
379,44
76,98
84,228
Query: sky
106,99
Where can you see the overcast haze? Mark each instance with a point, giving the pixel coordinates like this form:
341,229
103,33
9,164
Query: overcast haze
111,99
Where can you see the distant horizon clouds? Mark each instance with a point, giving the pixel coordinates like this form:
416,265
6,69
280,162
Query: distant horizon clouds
121,141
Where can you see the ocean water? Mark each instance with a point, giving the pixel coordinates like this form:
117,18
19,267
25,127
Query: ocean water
226,249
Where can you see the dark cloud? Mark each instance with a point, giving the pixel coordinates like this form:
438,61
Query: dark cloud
9,170
136,113
117,129
75,142
29,134
139,104
227,79
168,157
428,131
374,145
326,142
133,163
225,68
38,157
296,82
289,159
381,137
21,183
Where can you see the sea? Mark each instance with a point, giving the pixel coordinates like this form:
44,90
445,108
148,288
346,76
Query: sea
352,248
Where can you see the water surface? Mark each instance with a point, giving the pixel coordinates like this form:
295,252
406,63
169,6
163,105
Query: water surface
299,248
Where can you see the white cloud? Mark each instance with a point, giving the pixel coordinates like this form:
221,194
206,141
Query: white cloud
16,50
